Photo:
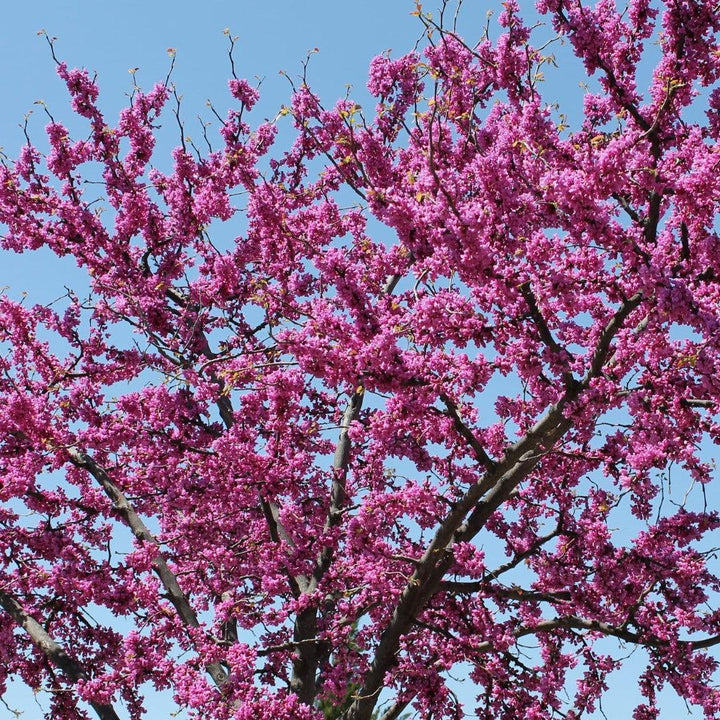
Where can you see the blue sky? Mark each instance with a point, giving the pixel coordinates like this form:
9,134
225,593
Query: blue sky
274,35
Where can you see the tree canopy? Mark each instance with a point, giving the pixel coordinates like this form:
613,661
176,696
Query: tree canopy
428,390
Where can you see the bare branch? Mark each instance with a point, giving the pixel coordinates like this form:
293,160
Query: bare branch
698,402
393,712
511,593
577,623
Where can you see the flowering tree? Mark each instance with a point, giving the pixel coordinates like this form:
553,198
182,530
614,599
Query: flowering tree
420,414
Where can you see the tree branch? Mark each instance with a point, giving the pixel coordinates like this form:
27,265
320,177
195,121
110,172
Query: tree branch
469,515
642,123
270,510
573,622
544,331
510,564
52,650
511,593
304,676
168,579
308,657
393,712
464,431
577,623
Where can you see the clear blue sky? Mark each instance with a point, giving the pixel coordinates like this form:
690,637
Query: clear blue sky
274,35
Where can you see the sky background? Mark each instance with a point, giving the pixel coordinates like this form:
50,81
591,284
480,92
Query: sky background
110,38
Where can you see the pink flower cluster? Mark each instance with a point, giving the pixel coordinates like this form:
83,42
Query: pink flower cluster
433,390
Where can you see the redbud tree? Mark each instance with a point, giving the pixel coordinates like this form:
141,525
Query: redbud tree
426,391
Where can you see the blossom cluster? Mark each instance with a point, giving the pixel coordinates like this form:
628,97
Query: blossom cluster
295,473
